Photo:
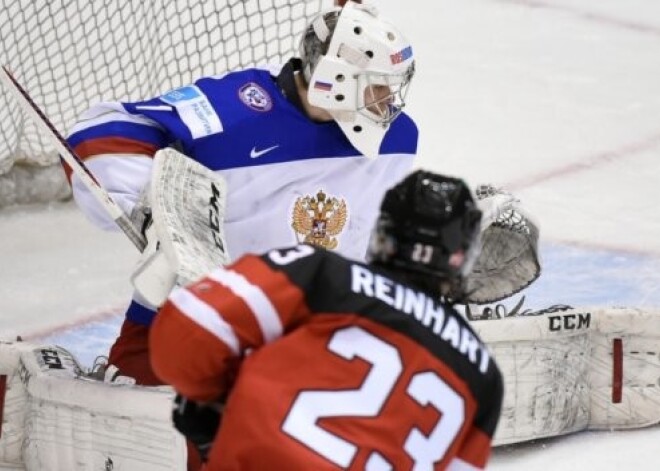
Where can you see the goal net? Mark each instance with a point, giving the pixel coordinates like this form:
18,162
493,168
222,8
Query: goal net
69,54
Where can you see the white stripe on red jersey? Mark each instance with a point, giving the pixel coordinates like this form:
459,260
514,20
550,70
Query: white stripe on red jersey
263,310
206,317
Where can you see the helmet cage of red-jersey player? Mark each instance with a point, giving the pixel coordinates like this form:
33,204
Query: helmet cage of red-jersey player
428,224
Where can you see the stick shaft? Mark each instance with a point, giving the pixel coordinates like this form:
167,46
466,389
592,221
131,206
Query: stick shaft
70,157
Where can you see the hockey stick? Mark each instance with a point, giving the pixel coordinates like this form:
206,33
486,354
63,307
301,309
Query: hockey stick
70,157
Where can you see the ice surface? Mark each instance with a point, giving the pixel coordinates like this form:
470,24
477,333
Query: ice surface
558,101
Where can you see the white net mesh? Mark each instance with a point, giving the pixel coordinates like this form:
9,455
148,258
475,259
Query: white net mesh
69,54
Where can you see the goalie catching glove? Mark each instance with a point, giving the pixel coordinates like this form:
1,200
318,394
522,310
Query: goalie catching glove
509,258
185,239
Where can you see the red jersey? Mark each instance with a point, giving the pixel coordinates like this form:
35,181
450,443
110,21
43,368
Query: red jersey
328,363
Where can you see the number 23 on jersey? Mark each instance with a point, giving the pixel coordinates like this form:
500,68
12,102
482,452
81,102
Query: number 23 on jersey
385,377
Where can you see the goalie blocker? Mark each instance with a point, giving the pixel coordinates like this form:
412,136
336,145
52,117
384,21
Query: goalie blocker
186,238
564,371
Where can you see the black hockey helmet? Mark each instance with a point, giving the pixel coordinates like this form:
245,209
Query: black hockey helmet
428,224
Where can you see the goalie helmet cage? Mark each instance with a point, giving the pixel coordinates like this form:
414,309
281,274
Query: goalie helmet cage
69,54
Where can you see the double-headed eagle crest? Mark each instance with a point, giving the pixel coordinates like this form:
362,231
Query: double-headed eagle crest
318,218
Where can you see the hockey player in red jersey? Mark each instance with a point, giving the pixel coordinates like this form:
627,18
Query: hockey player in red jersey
327,363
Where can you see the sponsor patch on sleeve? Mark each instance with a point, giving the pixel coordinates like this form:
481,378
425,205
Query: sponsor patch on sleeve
195,110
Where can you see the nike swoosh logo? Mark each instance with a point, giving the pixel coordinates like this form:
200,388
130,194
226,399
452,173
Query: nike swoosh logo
254,153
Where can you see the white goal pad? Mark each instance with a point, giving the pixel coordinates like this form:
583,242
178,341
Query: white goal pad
576,369
52,418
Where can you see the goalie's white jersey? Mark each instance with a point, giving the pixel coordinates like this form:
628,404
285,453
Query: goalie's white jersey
289,178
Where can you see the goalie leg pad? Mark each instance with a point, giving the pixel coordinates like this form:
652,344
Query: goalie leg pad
56,419
574,370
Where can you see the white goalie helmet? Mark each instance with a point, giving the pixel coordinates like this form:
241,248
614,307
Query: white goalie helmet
357,67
